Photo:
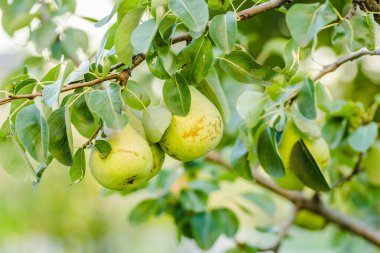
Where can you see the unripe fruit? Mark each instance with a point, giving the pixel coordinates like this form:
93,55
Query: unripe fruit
317,147
158,159
190,137
129,163
371,164
309,220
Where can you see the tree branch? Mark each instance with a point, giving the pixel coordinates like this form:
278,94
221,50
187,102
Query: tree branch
261,8
350,57
349,224
357,169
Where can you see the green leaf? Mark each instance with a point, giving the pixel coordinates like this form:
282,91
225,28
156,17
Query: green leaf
12,157
78,167
240,162
333,131
177,95
306,168
82,118
206,229
291,58
156,119
250,106
123,46
195,201
130,5
197,58
144,210
363,137
107,104
24,87
223,31
323,97
143,35
16,15
44,36
107,18
193,13
228,220
72,41
135,96
306,20
304,124
61,140
268,154
306,99
33,132
221,5
262,201
242,67
212,89
103,147
156,65
53,73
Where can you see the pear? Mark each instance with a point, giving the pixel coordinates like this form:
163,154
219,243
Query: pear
158,159
190,137
129,163
317,147
371,164
309,220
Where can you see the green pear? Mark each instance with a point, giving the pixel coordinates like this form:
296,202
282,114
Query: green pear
371,164
317,147
129,163
158,159
309,220
190,137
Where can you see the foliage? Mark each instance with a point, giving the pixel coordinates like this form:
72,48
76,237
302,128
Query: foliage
256,97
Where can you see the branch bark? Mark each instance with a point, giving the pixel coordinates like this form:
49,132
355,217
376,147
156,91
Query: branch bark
347,223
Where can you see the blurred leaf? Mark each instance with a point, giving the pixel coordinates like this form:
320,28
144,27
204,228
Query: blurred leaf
107,18
177,95
206,228
306,168
107,104
60,136
333,131
103,148
78,167
228,220
250,106
239,160
242,67
262,201
268,154
72,41
144,210
156,119
16,15
306,126
143,35
123,46
195,201
44,35
212,89
12,157
221,5
135,96
323,97
223,31
306,99
306,20
363,137
197,59
33,132
291,58
193,13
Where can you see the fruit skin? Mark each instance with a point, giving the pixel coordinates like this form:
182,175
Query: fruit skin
129,163
371,164
317,147
158,159
309,220
190,137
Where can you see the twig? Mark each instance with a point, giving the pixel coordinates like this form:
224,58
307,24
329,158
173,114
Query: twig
350,57
349,224
357,169
92,137
282,234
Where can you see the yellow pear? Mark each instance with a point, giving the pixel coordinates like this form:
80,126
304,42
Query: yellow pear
190,137
129,163
371,164
158,159
317,147
309,220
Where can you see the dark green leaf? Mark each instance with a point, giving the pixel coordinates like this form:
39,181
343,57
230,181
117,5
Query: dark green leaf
306,168
306,99
223,31
61,142
156,65
177,95
239,160
82,118
103,147
206,228
195,201
78,167
144,210
268,154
